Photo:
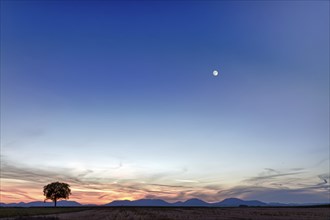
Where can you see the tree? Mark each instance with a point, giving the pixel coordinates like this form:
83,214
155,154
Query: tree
56,190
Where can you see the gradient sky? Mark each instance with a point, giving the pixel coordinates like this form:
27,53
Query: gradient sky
118,100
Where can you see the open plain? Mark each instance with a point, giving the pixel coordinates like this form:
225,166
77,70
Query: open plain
183,213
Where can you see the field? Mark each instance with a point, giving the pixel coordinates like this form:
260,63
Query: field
10,212
166,213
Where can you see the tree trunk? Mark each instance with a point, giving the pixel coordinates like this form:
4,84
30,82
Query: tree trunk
55,202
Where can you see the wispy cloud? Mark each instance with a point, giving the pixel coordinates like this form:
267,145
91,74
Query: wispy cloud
274,185
188,181
325,178
270,175
90,186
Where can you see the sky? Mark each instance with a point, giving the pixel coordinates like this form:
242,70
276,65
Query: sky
118,100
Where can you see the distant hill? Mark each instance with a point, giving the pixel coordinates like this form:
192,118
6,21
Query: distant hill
233,202
140,202
230,202
41,204
195,202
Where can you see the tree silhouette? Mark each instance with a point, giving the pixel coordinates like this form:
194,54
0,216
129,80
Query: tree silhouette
56,190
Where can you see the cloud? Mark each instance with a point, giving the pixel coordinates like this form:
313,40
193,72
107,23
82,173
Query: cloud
23,194
85,183
325,178
270,175
188,181
267,194
271,170
180,196
273,185
91,186
9,171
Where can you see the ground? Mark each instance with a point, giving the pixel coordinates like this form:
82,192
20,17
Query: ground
186,213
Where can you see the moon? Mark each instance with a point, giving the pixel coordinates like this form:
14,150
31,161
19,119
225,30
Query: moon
215,72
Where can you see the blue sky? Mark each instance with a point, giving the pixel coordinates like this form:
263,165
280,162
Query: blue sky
110,95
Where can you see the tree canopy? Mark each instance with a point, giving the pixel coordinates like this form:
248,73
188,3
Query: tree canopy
56,190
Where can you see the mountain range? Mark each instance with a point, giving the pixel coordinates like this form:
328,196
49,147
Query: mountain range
230,202
40,204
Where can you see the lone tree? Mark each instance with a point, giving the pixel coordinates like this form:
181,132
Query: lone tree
55,191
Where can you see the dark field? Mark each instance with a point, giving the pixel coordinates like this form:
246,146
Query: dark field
167,213
10,212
